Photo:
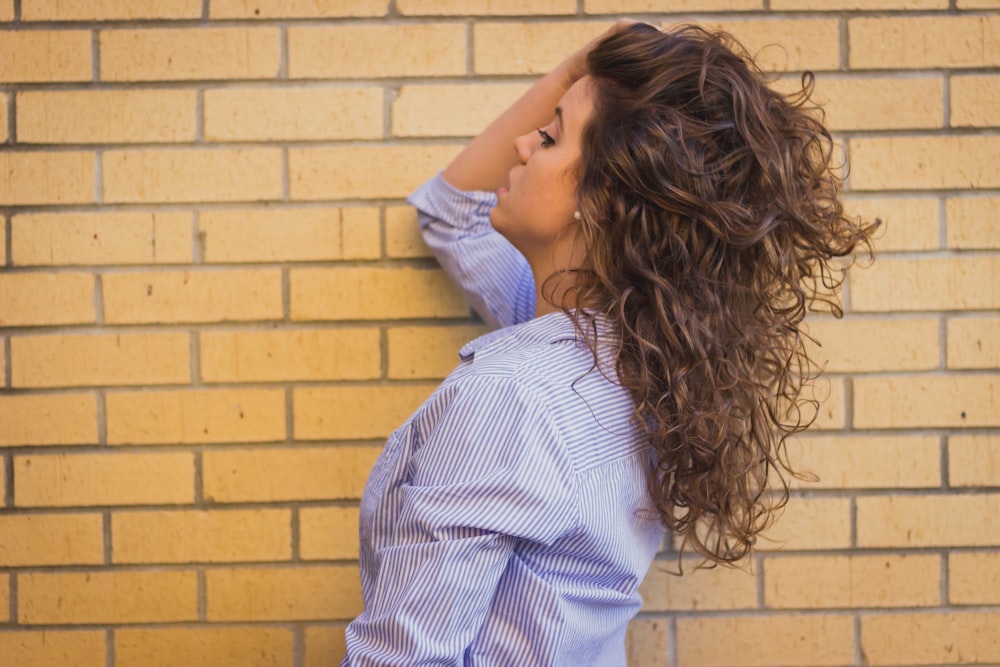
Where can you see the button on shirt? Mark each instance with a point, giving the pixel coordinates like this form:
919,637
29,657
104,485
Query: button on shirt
507,521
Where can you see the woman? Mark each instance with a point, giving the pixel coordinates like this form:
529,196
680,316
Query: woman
661,220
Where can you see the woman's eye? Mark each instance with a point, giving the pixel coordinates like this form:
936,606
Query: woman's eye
547,139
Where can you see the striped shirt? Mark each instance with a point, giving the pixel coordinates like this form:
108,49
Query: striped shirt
507,521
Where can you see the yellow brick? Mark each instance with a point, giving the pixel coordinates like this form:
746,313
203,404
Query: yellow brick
360,237
197,536
810,523
192,296
972,222
646,642
978,4
62,239
363,172
402,233
830,394
28,299
810,582
273,474
974,460
299,593
107,597
697,589
929,520
376,51
975,101
924,42
328,533
167,54
376,293
765,641
528,48
874,345
951,283
927,401
7,10
203,647
790,44
251,114
623,6
273,9
51,539
105,116
48,419
323,642
119,478
974,578
195,416
99,359
427,352
974,343
917,163
867,462
925,639
45,55
108,10
450,111
289,234
192,175
54,648
486,7
46,178
266,356
354,413
864,5
877,103
908,223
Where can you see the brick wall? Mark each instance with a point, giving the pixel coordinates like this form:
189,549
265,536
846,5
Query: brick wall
215,307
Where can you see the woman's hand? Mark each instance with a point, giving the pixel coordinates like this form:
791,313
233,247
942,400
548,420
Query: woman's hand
487,160
574,67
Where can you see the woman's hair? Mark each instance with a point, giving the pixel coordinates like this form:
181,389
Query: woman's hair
712,220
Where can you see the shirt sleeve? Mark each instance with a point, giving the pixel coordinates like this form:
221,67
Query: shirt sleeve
494,276
492,473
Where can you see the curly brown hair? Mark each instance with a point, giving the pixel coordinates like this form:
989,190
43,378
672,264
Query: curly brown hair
712,220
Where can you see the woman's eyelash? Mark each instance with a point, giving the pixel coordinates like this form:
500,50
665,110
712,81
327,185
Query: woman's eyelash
547,139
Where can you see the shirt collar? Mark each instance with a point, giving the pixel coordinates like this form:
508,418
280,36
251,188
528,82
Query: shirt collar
548,328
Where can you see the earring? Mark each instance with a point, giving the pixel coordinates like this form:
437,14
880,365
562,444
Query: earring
577,215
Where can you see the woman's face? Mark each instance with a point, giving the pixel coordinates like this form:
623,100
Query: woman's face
535,211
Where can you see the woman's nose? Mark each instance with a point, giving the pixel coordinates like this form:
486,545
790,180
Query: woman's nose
525,145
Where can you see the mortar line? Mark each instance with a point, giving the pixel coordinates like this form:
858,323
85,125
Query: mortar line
945,581
946,100
17,11
282,52
859,657
296,535
298,645
199,115
672,641
106,536
199,477
7,461
201,588
945,448
102,418
7,381
204,10
845,45
12,601
95,55
194,363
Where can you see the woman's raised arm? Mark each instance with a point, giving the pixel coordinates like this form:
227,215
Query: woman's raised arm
486,161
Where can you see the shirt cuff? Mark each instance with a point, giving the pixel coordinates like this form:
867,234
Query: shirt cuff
441,201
